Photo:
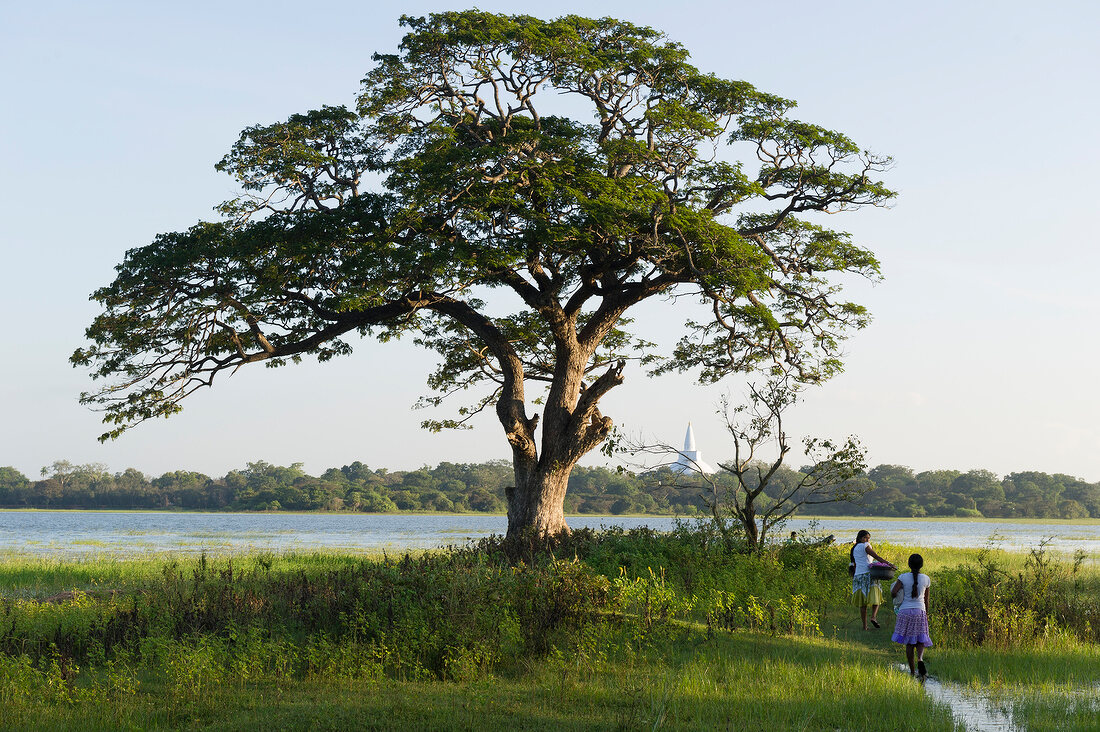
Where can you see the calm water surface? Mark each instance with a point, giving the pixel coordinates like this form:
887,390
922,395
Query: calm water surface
68,534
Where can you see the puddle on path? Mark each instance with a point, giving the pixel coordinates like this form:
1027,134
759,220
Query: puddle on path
973,710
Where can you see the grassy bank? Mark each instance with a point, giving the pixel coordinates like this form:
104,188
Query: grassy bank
612,630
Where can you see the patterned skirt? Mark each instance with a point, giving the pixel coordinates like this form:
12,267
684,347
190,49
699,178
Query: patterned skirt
864,591
911,627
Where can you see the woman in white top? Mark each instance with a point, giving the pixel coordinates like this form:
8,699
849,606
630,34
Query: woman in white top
864,591
912,623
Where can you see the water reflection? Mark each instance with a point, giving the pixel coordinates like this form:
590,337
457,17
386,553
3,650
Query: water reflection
974,711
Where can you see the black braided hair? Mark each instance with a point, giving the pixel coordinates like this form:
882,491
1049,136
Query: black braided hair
916,561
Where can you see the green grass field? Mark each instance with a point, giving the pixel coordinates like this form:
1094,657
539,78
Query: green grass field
634,631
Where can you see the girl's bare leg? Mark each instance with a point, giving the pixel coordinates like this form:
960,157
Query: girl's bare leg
863,615
909,657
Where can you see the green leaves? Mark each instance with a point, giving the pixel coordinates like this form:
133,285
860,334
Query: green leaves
577,163
312,161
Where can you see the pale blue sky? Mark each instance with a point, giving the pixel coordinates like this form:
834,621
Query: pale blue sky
984,343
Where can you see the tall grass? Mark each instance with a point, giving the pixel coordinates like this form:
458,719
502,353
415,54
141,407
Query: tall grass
1001,604
1055,709
597,630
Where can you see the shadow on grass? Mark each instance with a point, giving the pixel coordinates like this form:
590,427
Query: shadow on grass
684,680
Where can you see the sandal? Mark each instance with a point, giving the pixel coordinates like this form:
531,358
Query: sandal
875,623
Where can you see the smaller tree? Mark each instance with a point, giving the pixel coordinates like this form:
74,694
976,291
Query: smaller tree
751,497
758,502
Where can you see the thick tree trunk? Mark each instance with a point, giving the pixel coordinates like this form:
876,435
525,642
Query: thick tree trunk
538,504
571,427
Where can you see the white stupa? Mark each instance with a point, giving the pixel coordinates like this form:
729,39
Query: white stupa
690,459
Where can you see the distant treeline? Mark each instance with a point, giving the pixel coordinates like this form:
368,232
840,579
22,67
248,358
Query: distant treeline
891,490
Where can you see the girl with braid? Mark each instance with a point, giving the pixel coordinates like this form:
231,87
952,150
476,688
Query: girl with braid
912,623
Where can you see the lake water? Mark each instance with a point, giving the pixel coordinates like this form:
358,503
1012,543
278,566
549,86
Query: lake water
72,534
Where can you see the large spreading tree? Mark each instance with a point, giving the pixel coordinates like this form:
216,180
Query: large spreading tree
566,170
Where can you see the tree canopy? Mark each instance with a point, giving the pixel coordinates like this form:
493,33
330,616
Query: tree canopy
581,166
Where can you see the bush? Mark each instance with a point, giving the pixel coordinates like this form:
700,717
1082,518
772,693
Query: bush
986,604
499,605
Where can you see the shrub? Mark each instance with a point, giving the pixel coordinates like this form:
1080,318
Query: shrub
569,600
987,604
